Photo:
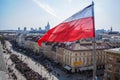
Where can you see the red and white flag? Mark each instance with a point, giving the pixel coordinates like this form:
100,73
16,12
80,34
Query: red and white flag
76,27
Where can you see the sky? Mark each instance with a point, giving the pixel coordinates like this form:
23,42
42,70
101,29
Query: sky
37,13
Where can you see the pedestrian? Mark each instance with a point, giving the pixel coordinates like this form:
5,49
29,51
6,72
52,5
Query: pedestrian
35,63
52,77
55,72
58,75
21,57
12,64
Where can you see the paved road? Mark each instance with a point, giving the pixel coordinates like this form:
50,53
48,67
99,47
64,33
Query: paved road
32,64
11,65
2,65
2,62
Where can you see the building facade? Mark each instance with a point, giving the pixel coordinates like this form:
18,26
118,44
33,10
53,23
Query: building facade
77,56
80,57
112,65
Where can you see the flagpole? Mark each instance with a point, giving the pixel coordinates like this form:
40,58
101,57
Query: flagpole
94,50
94,60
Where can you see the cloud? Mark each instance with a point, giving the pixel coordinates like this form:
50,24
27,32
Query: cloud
46,7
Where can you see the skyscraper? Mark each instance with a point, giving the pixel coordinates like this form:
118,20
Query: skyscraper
39,28
18,28
25,29
47,27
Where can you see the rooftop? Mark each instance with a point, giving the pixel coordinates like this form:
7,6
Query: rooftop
115,50
87,46
32,37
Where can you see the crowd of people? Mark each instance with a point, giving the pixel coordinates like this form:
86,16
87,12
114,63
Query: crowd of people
24,69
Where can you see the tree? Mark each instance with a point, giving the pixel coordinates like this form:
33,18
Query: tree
2,39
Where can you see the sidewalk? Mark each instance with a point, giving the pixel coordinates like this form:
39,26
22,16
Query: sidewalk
3,70
11,66
32,64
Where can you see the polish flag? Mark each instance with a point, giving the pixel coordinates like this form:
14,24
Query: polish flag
76,27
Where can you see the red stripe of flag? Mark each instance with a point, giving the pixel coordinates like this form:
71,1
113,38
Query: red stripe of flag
78,26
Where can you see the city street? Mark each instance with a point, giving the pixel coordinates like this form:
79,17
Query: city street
32,64
37,67
3,71
56,73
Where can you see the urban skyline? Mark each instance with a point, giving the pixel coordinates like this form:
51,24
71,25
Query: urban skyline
36,13
82,47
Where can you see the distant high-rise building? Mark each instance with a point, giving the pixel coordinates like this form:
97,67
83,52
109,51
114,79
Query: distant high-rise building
31,29
35,29
47,27
111,29
18,28
39,28
25,29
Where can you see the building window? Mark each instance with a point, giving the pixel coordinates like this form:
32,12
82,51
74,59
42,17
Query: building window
65,59
75,59
117,77
88,61
91,60
70,61
110,66
83,60
109,76
75,54
79,59
83,53
109,58
98,53
117,70
118,60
